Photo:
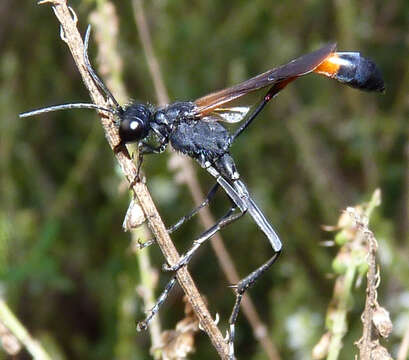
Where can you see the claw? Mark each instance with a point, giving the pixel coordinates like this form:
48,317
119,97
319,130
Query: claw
141,325
216,319
227,337
177,266
135,180
73,14
62,33
166,267
216,322
142,245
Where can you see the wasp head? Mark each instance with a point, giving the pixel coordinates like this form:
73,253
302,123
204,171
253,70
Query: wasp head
135,123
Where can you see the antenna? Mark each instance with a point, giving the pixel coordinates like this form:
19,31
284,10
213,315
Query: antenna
91,71
97,81
65,107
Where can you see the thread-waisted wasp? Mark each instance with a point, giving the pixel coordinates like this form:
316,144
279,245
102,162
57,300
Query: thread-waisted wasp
194,129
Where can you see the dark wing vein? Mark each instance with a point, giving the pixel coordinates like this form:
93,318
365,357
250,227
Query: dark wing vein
285,73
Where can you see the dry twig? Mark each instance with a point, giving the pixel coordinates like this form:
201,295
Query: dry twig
73,39
375,319
105,24
355,257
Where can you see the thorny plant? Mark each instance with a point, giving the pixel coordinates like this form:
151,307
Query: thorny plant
356,257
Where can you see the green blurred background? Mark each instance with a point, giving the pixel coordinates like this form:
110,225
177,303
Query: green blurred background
66,268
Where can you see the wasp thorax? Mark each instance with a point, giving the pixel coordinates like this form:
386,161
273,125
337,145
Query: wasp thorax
134,125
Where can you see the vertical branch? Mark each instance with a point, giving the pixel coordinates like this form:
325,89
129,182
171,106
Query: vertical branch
375,319
73,39
106,27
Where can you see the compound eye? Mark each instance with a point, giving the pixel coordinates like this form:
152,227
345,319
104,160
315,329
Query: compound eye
131,130
134,125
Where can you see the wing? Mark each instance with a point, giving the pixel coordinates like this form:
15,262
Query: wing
285,73
349,68
230,115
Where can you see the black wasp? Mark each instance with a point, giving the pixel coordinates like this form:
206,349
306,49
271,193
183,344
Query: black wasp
194,129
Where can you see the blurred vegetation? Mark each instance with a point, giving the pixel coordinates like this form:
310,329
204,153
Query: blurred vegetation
65,263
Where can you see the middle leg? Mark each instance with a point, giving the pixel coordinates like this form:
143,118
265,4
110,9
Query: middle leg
227,219
210,195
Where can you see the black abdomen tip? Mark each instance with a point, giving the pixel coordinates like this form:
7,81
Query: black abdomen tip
361,73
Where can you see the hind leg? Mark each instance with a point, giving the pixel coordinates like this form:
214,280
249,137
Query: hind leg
240,289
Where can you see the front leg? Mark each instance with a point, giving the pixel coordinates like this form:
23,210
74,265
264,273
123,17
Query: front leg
145,149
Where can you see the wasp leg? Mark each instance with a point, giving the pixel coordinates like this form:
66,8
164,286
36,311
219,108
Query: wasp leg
240,289
143,325
275,89
227,219
185,218
145,149
206,201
